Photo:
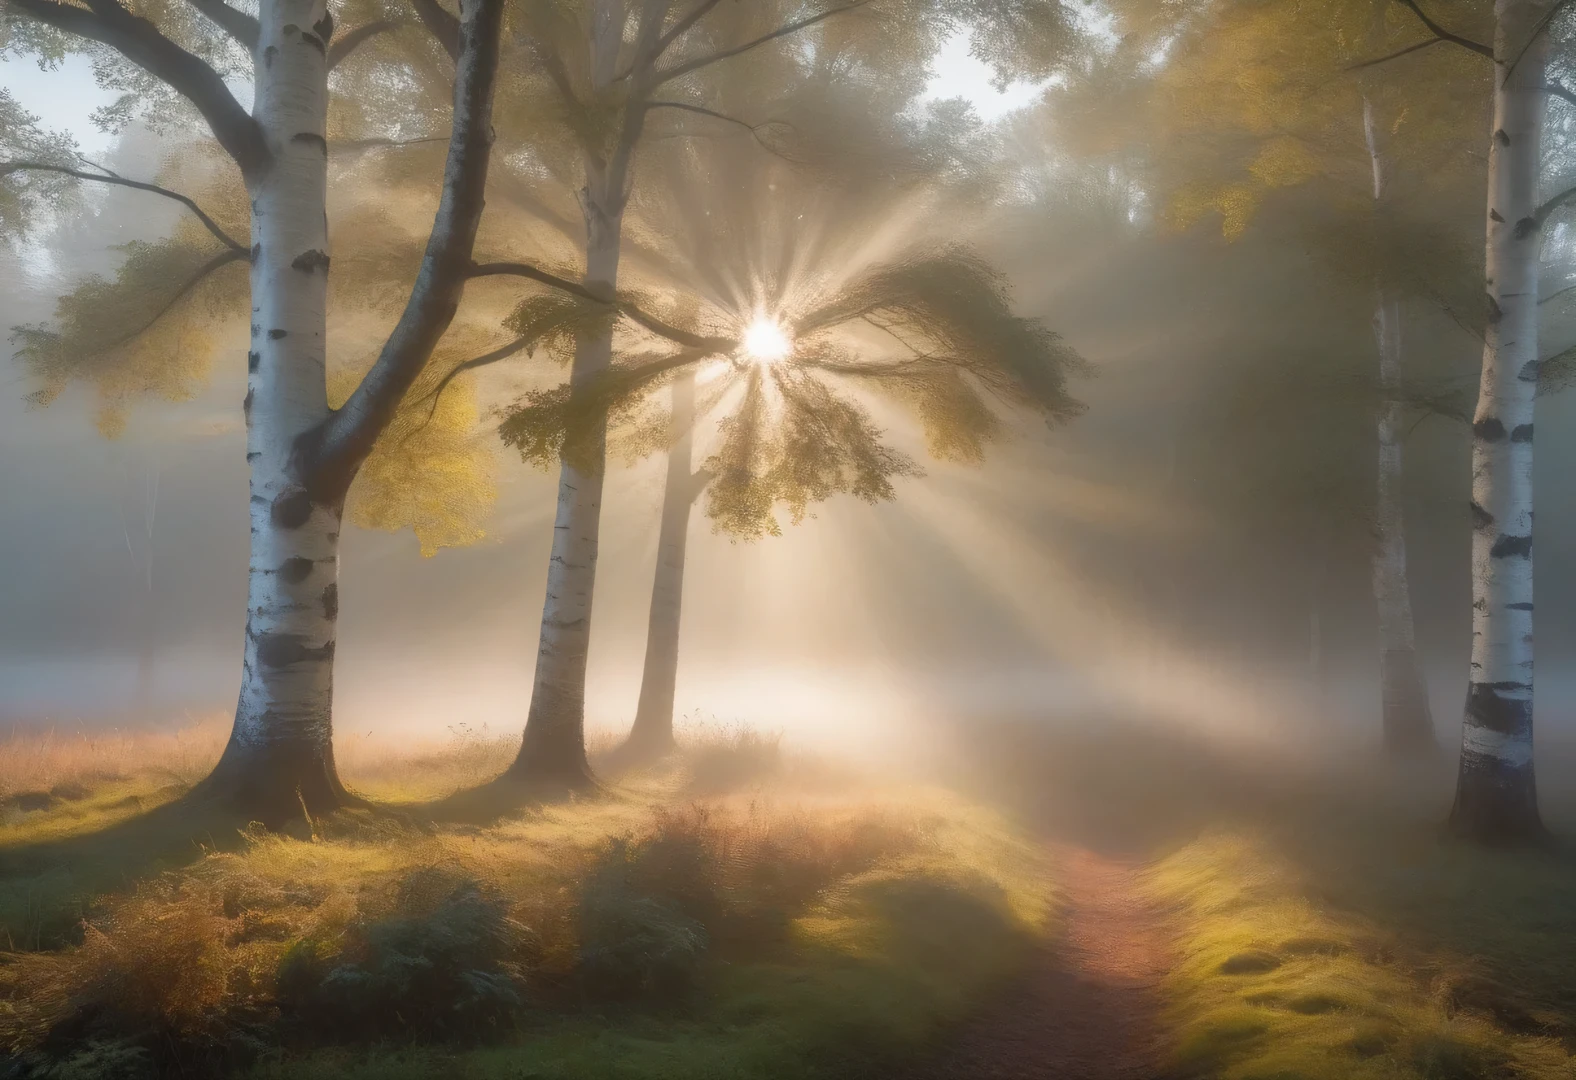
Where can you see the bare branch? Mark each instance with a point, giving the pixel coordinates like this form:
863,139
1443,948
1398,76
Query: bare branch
668,74
1541,214
339,446
503,352
1557,294
1561,91
238,24
674,32
343,47
440,24
359,146
1395,55
7,167
140,42
1445,35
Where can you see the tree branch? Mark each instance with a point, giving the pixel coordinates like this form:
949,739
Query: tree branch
1541,214
1395,55
1445,35
343,47
674,32
1440,34
338,447
140,42
440,24
358,146
8,167
1561,91
679,70
238,24
224,258
631,311
1557,294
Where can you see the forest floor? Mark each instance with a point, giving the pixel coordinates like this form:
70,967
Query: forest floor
1119,905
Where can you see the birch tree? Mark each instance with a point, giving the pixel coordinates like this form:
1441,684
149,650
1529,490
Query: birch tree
302,454
1261,106
612,66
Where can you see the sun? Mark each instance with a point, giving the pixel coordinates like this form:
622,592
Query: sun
765,341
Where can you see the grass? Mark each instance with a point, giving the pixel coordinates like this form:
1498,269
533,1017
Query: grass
732,913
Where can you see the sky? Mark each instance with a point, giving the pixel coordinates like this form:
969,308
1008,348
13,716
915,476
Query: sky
64,98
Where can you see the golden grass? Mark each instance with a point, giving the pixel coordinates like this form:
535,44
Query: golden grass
841,922
1275,981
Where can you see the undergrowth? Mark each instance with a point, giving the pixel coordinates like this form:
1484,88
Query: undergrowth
763,930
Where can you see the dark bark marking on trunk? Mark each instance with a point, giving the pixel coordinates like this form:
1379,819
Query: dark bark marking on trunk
295,569
282,650
316,42
246,403
1508,716
313,138
331,600
308,261
1495,313
269,54
1529,371
1526,227
1489,430
257,249
251,456
1495,215
1506,547
252,362
256,329
1480,604
1504,140
1521,433
275,334
291,509
324,27
1481,518
1519,607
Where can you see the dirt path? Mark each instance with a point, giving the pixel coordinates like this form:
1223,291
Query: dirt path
1091,1010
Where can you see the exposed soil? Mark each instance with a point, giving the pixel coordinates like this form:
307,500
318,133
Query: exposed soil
1091,1008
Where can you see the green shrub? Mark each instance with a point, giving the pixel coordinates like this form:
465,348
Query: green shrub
439,969
637,944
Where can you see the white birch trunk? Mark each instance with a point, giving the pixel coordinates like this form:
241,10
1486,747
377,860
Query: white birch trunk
552,752
1496,797
280,756
653,728
1407,723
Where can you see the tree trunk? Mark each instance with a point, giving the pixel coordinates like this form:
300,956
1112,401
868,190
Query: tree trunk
280,758
552,752
552,755
1496,797
652,732
1407,723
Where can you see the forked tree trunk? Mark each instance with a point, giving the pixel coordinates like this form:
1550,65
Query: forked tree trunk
652,732
1407,723
280,758
1496,796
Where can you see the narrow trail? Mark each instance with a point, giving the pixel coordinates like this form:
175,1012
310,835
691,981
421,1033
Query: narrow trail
1091,1009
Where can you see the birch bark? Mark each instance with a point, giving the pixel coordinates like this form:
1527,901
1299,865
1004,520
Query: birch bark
1496,796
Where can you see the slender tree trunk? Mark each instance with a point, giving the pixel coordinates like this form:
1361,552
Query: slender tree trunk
1496,796
1407,723
552,752
652,732
280,758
